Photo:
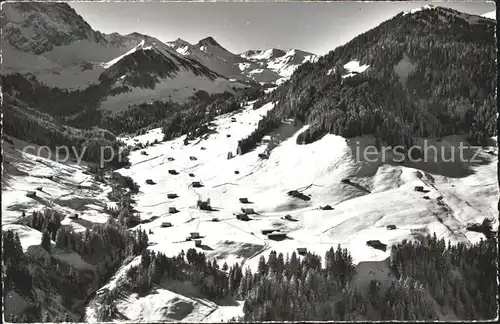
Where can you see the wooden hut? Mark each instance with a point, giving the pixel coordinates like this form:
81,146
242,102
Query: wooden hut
301,251
172,196
172,210
166,224
376,244
248,211
196,184
31,194
150,182
391,227
244,200
276,236
243,217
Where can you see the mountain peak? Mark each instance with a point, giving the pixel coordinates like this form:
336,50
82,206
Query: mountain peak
209,41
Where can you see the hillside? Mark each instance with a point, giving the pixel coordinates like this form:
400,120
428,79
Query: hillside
419,77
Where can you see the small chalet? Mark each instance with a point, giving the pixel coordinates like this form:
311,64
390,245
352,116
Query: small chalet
172,210
194,235
31,194
166,224
419,188
150,182
243,217
376,244
244,200
276,236
391,227
193,158
172,196
301,251
197,184
173,172
170,159
327,207
204,205
248,211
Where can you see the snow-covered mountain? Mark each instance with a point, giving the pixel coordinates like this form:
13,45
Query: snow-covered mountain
269,66
490,15
287,185
53,43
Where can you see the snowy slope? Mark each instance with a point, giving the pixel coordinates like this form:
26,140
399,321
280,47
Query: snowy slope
316,167
490,15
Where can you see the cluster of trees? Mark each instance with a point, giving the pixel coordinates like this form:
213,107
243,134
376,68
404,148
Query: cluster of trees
193,120
106,237
15,266
265,125
54,276
430,280
48,221
449,87
192,266
460,278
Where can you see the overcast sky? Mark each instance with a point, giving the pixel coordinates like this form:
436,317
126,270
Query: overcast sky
317,27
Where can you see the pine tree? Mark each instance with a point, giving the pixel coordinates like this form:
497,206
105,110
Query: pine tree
46,242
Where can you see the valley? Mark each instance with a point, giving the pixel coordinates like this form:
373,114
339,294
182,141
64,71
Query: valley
235,189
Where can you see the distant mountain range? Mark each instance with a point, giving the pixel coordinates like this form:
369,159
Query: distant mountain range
53,43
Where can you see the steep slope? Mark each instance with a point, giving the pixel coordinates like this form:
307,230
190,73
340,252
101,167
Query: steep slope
429,72
268,66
